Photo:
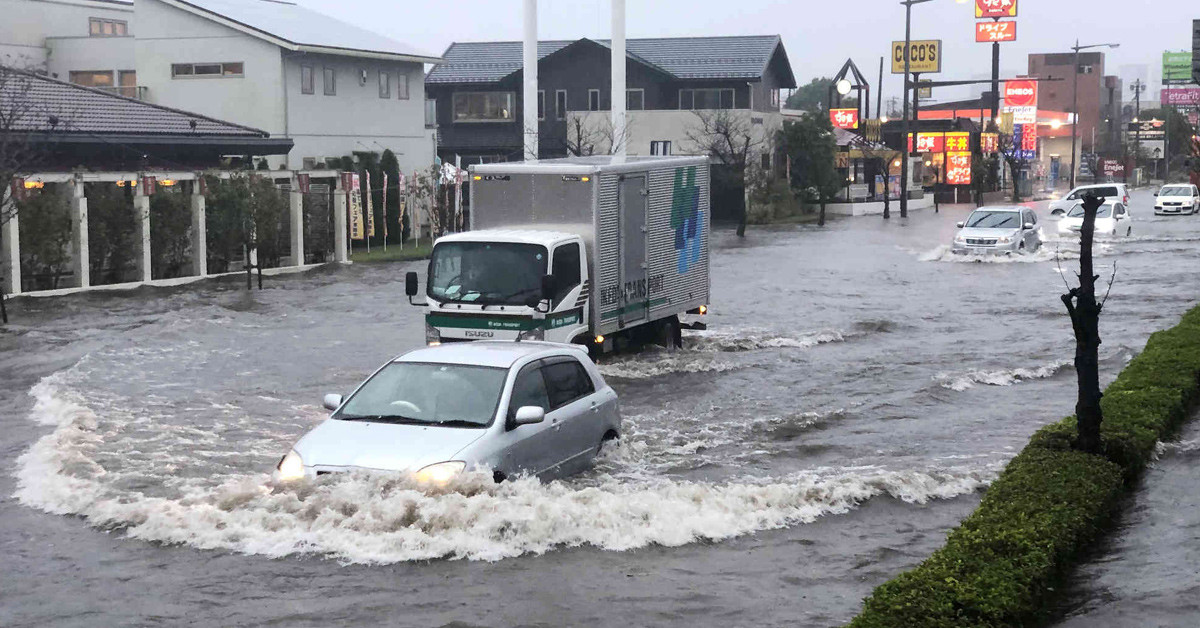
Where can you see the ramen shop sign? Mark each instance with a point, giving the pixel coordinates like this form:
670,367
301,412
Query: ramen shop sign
844,118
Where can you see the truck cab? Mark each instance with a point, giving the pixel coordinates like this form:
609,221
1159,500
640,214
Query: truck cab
494,284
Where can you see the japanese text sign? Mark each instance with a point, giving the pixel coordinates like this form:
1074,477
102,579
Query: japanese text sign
929,142
995,8
958,168
989,32
958,142
989,143
844,118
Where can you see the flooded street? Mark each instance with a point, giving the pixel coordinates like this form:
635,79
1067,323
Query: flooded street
857,389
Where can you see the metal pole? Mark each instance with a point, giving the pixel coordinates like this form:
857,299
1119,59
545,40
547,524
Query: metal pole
1167,139
618,78
904,118
1074,110
530,56
995,79
879,95
3,309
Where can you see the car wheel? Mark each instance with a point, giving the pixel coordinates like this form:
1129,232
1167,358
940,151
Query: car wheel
610,439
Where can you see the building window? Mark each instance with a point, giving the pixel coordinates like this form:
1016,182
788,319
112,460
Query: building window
208,70
560,104
593,100
766,161
330,82
92,79
430,112
541,104
483,107
402,86
635,99
99,27
1086,69
660,147
127,79
307,81
774,99
706,99
385,84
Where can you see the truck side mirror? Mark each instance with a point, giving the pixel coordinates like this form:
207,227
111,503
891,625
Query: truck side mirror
549,287
411,284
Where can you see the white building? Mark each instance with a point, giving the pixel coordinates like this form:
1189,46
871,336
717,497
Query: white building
331,87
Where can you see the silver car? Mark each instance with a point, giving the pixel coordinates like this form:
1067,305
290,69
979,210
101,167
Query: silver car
513,408
1005,230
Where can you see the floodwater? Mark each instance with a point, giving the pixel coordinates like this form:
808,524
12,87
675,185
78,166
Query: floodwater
858,388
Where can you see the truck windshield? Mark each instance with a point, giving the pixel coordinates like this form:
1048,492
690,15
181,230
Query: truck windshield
492,273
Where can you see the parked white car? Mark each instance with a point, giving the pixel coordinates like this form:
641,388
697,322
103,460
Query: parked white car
1179,198
991,230
514,408
1107,191
1111,219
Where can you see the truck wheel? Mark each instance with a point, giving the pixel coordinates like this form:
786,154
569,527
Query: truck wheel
670,335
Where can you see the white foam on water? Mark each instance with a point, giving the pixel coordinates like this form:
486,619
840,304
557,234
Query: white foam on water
1046,253
703,350
753,339
364,518
1002,377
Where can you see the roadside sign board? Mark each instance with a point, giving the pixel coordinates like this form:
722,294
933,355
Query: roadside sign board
995,8
958,168
357,230
990,32
1181,97
989,143
1112,168
844,118
925,56
958,142
1021,99
929,142
924,93
1177,68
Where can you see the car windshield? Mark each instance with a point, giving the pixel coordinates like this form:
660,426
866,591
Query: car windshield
491,273
1077,211
994,220
1177,190
428,394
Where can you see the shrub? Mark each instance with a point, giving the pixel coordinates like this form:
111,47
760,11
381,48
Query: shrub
45,236
999,565
170,233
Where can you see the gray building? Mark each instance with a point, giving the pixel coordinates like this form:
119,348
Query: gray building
331,87
476,101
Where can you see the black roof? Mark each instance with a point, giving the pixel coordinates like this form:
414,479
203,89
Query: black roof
687,58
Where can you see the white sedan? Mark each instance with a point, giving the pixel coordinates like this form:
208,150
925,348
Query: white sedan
1111,219
513,408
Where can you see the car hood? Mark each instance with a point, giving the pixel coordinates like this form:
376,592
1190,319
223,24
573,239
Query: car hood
382,446
1077,222
1175,199
976,232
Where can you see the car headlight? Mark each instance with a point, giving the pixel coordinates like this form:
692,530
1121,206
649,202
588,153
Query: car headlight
960,240
291,467
441,472
432,335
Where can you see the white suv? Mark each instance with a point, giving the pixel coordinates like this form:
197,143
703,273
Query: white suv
1108,191
1180,198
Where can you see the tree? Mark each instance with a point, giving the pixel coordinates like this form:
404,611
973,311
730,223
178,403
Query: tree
729,139
1085,321
885,159
435,197
1179,141
1010,150
581,139
111,230
812,148
170,243
389,165
815,96
45,238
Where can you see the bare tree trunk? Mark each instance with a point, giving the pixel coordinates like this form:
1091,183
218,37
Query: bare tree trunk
1085,319
821,217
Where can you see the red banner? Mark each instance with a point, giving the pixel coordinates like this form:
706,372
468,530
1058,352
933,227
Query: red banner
304,182
989,143
928,143
958,168
1029,137
844,118
995,8
989,32
958,142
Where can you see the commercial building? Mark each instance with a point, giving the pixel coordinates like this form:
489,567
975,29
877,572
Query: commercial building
476,97
331,87
1099,96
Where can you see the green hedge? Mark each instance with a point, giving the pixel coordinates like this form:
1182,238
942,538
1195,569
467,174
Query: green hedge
1000,566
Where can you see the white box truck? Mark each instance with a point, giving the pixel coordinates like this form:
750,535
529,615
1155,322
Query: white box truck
601,251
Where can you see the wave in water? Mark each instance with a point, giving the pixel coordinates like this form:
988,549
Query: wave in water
707,352
1002,377
363,518
1044,254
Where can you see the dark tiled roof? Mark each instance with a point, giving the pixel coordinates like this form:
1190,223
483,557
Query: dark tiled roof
46,104
683,58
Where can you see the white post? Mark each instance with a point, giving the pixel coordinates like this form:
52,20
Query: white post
10,244
141,214
79,224
340,208
296,200
199,230
530,117
618,78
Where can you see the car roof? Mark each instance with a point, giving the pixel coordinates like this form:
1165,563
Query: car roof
489,353
1099,185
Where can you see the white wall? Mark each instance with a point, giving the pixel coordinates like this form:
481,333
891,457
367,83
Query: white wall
25,24
166,35
103,54
673,126
356,118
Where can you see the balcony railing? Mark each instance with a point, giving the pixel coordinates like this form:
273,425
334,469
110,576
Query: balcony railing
137,92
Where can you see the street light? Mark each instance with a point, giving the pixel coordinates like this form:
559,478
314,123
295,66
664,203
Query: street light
904,121
844,87
1075,101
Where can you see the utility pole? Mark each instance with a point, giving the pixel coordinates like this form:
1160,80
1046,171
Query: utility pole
1138,87
530,93
904,120
1075,102
879,97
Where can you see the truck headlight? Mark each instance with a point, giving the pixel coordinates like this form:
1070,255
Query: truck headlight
441,472
433,337
291,467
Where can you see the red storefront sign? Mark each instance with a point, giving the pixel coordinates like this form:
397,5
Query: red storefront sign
995,8
844,118
958,168
1184,96
989,143
989,32
958,142
1029,137
929,142
1021,93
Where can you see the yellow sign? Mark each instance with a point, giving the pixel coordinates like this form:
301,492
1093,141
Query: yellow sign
958,142
1006,122
925,56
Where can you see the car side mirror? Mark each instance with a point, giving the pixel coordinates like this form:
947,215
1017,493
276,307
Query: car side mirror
528,415
960,225
332,402
1156,193
1029,226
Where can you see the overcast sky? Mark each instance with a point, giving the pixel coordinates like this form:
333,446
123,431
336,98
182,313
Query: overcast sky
819,34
